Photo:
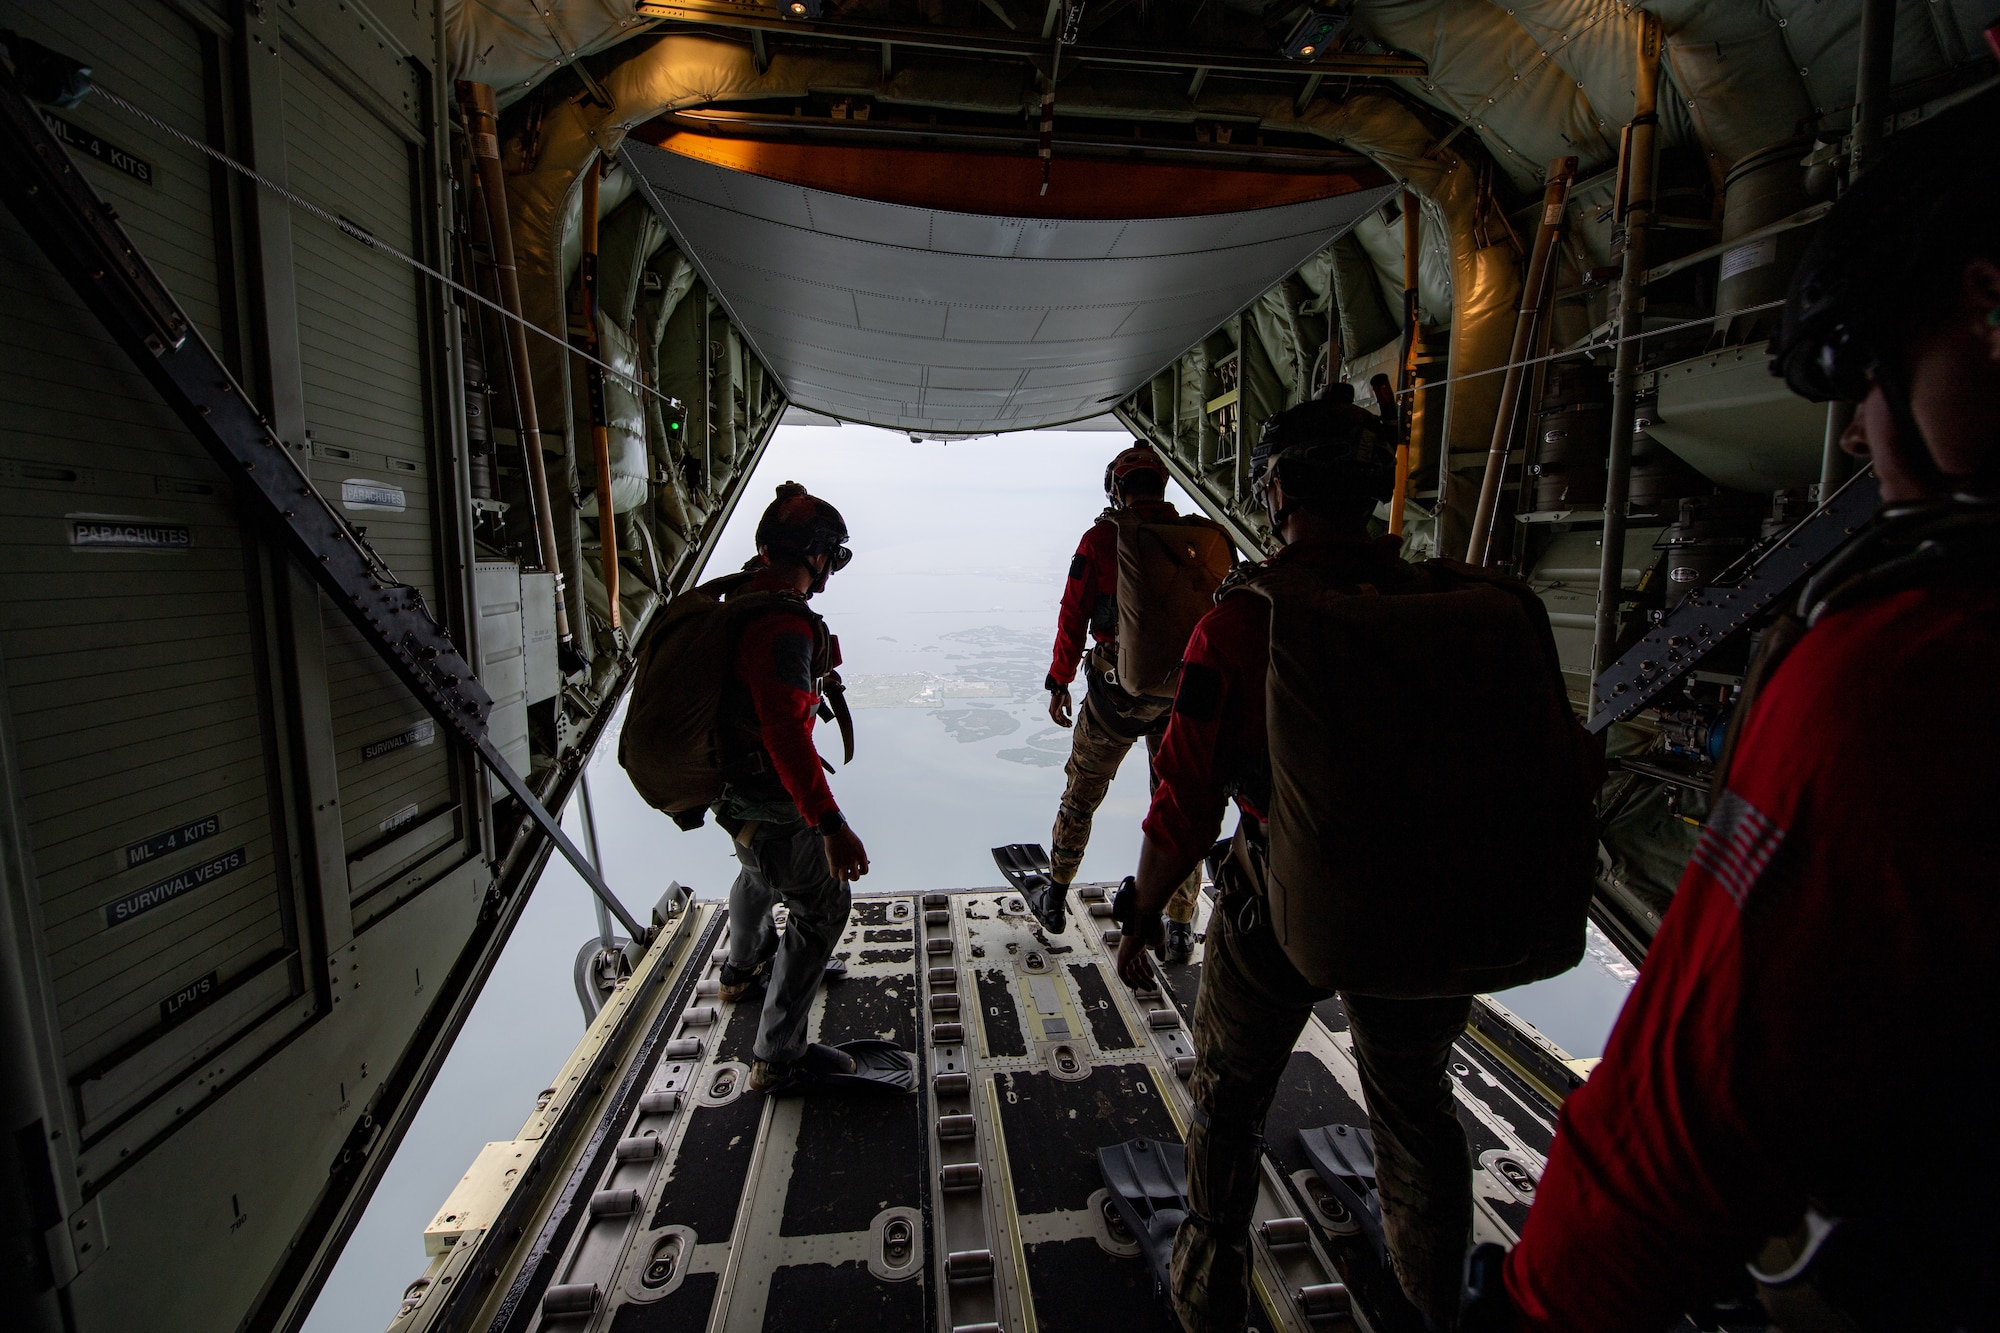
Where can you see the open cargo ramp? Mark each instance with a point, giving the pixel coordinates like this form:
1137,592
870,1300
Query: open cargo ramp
651,1190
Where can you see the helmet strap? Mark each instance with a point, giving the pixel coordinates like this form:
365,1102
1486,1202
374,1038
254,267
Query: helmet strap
1912,456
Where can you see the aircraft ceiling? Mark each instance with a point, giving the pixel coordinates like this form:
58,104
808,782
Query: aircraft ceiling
1531,80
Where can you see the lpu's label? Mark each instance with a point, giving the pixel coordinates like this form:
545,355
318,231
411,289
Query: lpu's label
194,831
144,900
195,995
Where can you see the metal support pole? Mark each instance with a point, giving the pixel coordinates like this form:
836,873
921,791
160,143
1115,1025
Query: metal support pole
1534,295
1871,97
1636,195
596,856
1871,82
1406,372
1834,464
600,432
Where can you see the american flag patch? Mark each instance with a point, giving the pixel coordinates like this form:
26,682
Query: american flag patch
1736,845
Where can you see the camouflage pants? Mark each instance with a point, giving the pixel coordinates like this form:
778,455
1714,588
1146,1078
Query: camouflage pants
1095,753
1252,1006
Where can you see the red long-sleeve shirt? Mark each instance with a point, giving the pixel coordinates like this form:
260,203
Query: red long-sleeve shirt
1089,600
774,663
1814,1020
1215,739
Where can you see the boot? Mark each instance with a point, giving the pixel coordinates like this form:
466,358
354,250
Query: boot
1046,899
769,1076
1180,941
736,985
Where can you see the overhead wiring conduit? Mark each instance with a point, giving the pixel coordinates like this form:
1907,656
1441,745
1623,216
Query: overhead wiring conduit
477,99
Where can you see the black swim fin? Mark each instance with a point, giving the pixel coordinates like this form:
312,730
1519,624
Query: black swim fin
1148,1184
1017,860
879,1066
1343,1157
1026,867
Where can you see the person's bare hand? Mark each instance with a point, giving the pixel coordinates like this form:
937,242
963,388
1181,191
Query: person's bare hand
845,855
1133,969
1059,707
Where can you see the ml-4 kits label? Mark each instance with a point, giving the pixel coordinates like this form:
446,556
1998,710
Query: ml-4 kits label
146,899
194,831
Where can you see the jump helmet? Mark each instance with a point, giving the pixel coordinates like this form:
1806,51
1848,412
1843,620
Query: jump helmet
1325,448
801,524
1138,458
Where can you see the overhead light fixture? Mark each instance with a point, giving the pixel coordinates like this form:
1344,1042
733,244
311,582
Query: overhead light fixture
800,9
1315,34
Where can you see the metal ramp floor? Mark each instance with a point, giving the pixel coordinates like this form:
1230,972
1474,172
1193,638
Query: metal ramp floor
651,1191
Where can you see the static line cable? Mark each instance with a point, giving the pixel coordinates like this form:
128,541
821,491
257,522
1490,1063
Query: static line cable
370,240
1591,348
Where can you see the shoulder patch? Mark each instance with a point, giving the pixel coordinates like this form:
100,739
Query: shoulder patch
791,659
1736,845
1200,693
1079,565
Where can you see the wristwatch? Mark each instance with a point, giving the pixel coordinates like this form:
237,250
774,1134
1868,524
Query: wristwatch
833,823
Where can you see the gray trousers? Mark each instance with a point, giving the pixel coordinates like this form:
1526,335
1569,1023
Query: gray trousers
1250,1010
785,863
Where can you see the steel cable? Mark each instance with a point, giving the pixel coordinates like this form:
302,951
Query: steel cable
369,239
373,242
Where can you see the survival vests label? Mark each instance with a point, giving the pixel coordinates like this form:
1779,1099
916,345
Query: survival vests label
146,899
421,734
194,831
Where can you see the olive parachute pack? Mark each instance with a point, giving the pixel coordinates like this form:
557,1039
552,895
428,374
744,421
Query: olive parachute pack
674,745
1167,576
1431,825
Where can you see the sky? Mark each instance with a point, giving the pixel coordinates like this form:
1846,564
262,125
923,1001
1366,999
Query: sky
946,619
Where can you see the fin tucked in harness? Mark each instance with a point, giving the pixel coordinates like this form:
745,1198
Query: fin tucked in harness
1343,1157
1148,1184
1026,867
877,1066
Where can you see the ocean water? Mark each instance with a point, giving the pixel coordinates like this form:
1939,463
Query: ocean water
946,619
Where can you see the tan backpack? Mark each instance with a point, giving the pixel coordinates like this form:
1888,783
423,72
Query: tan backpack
671,745
1431,827
1167,577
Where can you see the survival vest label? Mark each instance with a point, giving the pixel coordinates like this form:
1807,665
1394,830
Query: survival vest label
195,995
79,140
421,734
146,899
173,840
129,533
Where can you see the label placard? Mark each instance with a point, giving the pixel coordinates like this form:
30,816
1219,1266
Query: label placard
79,140
380,496
421,734
194,831
195,995
128,534
1743,258
154,895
